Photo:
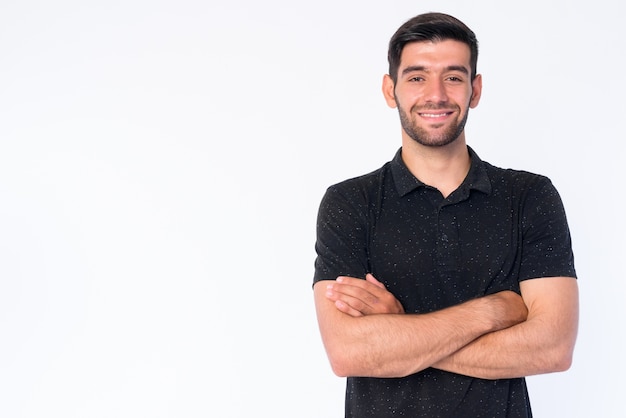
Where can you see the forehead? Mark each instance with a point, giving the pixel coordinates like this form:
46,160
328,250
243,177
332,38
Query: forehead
434,55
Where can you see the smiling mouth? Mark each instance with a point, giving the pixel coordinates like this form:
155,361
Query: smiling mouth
435,115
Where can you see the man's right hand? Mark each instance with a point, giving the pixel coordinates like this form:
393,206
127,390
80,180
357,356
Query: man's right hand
509,308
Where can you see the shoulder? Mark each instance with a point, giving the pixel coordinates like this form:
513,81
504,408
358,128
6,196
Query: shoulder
517,181
532,195
355,197
361,187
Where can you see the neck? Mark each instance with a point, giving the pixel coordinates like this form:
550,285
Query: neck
444,168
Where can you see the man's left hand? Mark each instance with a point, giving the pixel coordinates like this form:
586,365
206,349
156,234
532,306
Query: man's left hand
358,297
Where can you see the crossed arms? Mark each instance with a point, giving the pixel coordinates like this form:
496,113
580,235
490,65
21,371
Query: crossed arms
366,332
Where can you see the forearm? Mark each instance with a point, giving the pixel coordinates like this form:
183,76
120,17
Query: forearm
503,354
542,344
398,345
510,353
393,345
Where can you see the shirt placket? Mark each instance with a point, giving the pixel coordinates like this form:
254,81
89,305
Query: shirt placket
448,247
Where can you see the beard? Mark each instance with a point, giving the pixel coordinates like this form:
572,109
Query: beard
424,137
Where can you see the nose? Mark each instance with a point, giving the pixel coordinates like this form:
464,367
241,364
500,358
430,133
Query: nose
435,91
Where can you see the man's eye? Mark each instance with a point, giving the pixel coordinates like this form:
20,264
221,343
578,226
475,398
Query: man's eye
416,79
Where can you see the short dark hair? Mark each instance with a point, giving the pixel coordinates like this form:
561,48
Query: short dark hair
432,27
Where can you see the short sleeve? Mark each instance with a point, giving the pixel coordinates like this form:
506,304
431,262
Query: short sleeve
547,245
342,233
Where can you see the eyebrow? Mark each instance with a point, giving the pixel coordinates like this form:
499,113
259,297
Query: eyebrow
413,68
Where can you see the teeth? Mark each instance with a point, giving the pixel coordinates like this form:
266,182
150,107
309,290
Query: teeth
433,115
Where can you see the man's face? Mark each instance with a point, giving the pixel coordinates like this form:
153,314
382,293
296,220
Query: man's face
434,91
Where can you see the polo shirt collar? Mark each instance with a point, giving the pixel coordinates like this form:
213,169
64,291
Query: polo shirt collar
406,182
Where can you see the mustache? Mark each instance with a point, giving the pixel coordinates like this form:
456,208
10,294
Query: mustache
435,106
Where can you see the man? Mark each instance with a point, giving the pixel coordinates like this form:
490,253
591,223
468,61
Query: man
441,280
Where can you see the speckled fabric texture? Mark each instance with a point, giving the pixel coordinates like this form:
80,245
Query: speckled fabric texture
498,228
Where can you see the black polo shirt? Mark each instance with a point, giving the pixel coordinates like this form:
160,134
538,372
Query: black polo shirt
500,227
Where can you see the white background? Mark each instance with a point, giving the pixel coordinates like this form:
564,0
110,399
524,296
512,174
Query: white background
161,165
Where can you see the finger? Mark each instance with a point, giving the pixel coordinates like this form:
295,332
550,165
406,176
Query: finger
358,298
347,309
370,278
348,303
370,285
365,296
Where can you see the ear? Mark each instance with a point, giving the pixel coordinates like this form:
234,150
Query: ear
389,91
477,89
